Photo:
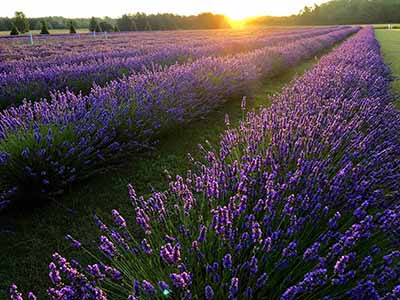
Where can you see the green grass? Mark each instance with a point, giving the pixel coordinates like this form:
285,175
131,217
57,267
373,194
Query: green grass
52,31
390,43
385,26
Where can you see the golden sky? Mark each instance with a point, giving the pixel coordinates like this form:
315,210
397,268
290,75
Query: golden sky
236,9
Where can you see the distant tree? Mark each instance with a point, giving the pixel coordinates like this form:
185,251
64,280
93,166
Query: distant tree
339,12
105,26
140,21
21,22
116,28
126,23
93,24
98,28
148,27
134,26
45,29
14,30
72,29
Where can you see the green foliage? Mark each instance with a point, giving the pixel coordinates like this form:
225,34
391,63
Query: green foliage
116,28
128,22
44,29
339,12
105,26
141,22
72,29
14,30
21,22
98,28
148,26
93,24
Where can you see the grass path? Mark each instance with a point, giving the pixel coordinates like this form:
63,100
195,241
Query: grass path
28,238
390,43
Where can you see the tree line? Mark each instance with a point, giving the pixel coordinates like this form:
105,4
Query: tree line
128,22
339,12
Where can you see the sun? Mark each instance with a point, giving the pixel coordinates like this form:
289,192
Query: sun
238,13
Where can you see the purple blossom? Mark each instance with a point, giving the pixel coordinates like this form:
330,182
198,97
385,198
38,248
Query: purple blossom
170,254
209,293
118,219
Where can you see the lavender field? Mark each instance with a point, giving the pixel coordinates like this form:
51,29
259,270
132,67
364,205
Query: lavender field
292,193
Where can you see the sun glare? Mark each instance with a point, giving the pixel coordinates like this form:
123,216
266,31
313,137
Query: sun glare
238,12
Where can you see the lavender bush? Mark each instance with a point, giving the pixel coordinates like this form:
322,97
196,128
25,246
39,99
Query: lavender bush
46,145
37,79
299,202
58,46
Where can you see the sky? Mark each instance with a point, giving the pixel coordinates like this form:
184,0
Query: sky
235,9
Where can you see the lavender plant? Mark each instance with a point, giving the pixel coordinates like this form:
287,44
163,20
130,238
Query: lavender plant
46,145
36,79
299,202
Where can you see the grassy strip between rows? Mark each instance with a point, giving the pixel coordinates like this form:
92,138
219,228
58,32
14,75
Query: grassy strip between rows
28,238
390,43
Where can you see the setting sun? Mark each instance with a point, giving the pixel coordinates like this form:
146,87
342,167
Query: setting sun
237,11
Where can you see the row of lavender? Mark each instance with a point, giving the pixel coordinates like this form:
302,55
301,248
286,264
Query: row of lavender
113,49
47,145
86,130
34,80
51,47
300,202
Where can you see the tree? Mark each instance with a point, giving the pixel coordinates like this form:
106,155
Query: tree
21,22
126,23
147,27
72,29
44,29
93,24
340,12
134,26
105,26
98,28
140,21
14,30
116,28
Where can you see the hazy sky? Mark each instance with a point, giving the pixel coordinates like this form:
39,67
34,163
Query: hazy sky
114,8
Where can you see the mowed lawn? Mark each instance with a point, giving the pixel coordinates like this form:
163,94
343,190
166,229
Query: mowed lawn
390,43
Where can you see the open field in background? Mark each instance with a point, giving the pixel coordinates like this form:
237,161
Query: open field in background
52,31
390,43
85,30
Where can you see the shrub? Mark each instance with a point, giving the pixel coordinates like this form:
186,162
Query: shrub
93,24
14,30
44,29
98,28
72,29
